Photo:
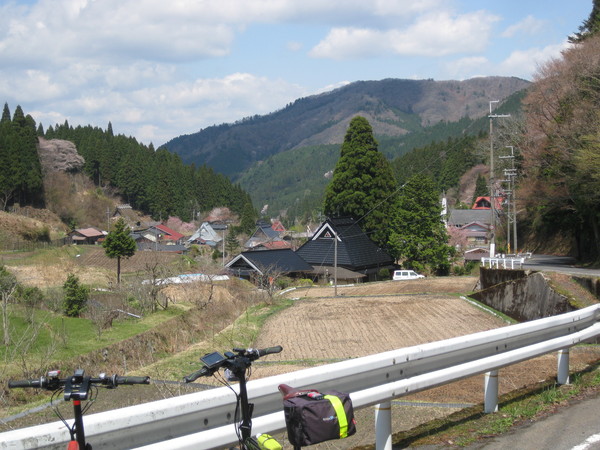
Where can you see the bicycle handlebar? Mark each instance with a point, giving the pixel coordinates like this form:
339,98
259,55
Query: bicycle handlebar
53,383
269,350
204,372
130,380
39,383
250,354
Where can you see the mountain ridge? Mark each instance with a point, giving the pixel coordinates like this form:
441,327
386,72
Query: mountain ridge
394,107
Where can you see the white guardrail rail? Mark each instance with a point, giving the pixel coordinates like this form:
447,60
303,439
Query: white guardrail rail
203,420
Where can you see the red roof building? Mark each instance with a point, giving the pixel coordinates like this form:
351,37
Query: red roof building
169,234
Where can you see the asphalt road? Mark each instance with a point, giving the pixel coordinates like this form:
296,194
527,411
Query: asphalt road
576,427
562,264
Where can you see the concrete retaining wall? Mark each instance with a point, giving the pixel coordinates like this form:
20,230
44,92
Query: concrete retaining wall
520,294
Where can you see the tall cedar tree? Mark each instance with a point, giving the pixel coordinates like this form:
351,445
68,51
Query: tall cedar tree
363,184
118,244
590,27
481,188
419,236
20,168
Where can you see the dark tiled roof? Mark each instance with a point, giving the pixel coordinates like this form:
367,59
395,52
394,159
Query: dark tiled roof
460,217
355,251
282,260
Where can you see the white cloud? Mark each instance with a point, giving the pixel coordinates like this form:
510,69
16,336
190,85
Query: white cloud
294,46
435,34
524,63
519,63
529,25
465,68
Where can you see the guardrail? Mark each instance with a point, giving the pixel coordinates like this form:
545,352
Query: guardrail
203,420
505,263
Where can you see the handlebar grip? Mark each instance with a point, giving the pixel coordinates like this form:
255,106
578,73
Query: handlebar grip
132,380
269,350
199,373
26,383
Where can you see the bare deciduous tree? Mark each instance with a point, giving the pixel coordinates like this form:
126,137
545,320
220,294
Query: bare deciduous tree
8,287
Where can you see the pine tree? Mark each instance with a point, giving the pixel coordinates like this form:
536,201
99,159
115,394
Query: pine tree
363,184
118,244
590,27
419,236
76,296
481,188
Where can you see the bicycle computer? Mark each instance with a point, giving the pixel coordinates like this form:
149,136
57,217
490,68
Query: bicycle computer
213,359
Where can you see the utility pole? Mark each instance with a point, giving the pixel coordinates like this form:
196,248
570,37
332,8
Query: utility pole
492,181
511,204
335,240
224,235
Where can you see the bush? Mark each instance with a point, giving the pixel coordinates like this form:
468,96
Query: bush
36,235
283,282
76,296
383,274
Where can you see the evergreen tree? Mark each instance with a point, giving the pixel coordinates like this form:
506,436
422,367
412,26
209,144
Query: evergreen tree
231,243
363,184
5,114
76,296
118,244
419,236
481,188
589,27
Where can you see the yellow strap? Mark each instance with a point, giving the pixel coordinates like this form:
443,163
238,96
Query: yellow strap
338,407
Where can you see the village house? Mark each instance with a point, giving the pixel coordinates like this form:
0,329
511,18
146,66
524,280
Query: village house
265,234
253,264
87,236
206,235
343,242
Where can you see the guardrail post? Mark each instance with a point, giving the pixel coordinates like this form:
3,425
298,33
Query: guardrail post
563,366
491,392
383,426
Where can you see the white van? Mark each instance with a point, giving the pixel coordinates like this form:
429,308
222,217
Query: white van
406,275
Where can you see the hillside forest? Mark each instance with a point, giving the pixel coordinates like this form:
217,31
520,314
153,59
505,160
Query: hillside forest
155,182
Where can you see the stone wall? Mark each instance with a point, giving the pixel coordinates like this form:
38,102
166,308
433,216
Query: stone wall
520,294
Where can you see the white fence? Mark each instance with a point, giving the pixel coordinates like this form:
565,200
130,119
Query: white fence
504,263
203,420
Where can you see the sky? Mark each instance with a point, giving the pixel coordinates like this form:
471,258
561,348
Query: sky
159,69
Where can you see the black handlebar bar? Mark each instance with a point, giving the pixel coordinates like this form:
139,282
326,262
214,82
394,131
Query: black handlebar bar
53,383
39,383
204,372
130,380
229,360
269,350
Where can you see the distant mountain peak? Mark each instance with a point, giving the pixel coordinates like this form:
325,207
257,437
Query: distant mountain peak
394,107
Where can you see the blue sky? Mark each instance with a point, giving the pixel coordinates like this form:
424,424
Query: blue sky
158,69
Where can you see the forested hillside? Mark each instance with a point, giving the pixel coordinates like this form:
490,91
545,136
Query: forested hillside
154,182
394,108
294,181
561,148
20,170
